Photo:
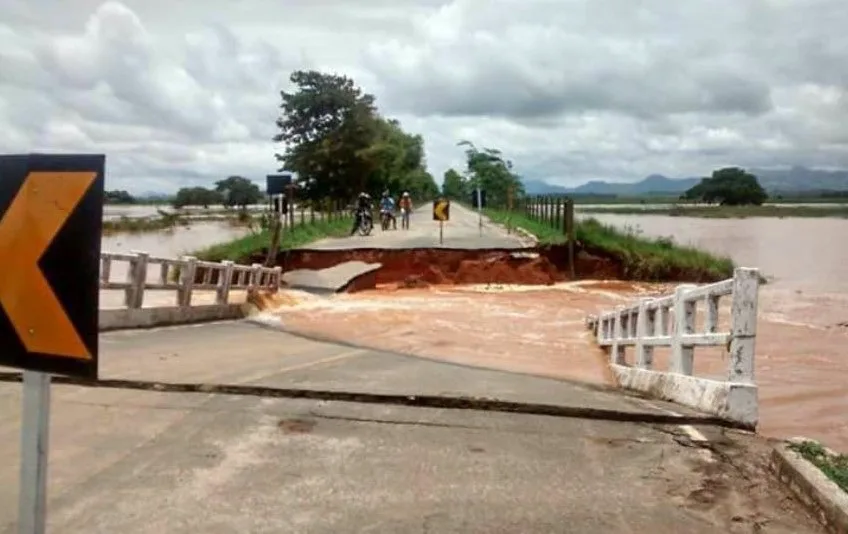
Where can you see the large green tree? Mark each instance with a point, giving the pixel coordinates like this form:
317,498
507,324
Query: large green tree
338,144
238,191
730,186
454,185
197,196
397,162
488,170
327,123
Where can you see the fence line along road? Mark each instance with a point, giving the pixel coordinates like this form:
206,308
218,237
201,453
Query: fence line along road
670,322
183,276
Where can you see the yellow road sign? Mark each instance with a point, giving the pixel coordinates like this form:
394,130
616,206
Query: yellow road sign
441,210
50,245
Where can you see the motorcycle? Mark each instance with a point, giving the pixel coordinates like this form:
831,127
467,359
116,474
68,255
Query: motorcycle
385,219
366,222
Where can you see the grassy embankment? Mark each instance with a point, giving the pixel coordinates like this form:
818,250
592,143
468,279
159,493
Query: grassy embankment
724,212
302,234
835,467
640,258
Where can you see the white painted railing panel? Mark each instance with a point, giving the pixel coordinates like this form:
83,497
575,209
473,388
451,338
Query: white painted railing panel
669,321
145,272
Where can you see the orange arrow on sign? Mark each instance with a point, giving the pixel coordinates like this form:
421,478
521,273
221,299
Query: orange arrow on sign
440,210
37,213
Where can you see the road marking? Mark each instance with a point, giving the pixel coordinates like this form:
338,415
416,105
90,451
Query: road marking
693,433
330,359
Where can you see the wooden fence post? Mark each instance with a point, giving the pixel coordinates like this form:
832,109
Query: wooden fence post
570,232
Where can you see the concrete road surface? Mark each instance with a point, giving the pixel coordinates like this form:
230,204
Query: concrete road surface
462,231
137,461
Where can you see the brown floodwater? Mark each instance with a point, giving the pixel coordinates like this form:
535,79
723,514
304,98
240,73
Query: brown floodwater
802,362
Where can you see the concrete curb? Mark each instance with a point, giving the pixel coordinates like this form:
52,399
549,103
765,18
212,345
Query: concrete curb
827,501
140,318
730,400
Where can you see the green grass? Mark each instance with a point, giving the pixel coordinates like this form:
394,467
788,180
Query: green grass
726,212
835,467
302,234
640,257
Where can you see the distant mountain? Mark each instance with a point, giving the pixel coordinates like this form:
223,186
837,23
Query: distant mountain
796,179
802,179
539,187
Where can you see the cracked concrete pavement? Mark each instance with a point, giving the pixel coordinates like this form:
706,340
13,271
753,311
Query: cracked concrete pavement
149,462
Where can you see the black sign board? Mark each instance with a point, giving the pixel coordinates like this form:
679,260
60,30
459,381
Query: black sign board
51,216
276,184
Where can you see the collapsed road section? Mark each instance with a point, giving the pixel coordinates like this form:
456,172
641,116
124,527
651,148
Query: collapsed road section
365,268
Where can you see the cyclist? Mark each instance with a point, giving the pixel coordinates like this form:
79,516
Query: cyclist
387,207
405,205
363,209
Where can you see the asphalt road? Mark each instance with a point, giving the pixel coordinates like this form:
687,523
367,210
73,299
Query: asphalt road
134,461
463,230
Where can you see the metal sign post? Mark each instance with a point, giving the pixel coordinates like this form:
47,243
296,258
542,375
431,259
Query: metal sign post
479,211
441,232
35,426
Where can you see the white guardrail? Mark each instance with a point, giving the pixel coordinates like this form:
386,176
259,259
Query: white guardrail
184,277
670,321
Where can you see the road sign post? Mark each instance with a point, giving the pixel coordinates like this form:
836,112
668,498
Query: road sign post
509,202
51,217
441,213
35,426
479,212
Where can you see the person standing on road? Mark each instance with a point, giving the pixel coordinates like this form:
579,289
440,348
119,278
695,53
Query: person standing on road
405,204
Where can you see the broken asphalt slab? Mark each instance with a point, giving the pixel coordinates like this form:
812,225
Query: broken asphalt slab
331,280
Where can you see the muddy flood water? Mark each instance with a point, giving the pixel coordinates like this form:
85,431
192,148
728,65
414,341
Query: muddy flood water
802,362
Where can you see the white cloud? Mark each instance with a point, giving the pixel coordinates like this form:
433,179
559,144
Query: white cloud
182,93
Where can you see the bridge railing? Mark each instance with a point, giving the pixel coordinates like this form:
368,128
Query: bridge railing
185,276
670,321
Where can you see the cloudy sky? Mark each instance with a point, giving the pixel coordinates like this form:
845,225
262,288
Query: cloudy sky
180,93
